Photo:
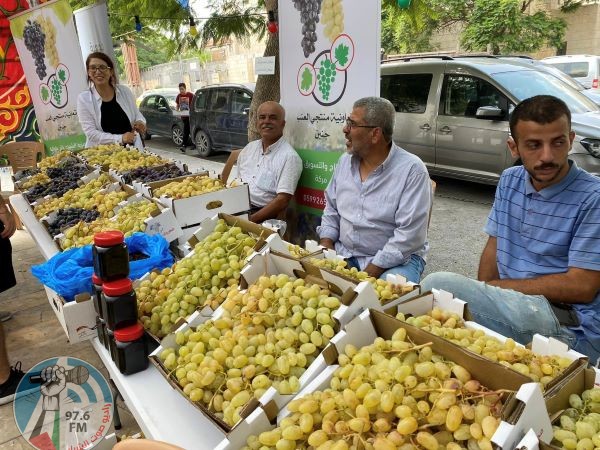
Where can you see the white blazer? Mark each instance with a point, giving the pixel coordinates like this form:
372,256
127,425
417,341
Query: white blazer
89,113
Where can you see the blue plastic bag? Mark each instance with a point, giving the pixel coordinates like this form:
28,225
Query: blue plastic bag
70,272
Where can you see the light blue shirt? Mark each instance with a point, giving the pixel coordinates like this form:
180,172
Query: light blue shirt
382,220
546,232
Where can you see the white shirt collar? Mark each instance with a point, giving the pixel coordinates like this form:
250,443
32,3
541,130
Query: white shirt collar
271,148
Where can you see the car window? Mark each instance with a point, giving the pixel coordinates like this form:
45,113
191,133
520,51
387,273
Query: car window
527,83
577,69
463,95
171,101
150,101
218,100
161,102
408,93
200,102
241,101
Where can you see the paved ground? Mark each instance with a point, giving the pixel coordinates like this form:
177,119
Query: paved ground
34,334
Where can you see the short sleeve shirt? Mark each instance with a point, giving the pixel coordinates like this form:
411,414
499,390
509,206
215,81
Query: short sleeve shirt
274,171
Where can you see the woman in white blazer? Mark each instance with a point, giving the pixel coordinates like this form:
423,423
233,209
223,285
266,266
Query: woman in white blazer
107,111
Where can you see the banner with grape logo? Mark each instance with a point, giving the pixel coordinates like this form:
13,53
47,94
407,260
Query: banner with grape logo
48,48
329,57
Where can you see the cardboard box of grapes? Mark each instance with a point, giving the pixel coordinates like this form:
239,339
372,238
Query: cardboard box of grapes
78,318
193,210
364,330
544,347
352,300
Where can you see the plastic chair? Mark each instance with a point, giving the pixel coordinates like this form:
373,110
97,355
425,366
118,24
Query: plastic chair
23,154
144,444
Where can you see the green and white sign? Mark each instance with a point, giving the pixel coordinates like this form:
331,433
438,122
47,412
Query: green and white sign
329,58
47,43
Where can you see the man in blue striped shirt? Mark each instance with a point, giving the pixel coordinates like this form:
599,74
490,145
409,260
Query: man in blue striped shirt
540,269
378,200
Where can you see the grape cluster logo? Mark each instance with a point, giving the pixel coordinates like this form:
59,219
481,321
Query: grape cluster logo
63,403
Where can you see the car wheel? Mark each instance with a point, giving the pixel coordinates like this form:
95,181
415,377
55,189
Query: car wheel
177,135
147,136
202,142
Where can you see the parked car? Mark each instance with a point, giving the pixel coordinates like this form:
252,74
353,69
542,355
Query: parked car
161,91
584,68
219,117
162,118
453,113
592,94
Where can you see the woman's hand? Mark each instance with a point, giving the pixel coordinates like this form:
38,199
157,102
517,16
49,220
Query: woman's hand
140,127
9,223
128,138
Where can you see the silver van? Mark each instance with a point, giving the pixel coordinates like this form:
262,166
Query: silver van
584,68
453,113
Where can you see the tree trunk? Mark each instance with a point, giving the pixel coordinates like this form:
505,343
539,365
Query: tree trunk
267,86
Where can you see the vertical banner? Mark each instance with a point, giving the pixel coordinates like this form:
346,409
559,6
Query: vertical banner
49,52
329,58
93,30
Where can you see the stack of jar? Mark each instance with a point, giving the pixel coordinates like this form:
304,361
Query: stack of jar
116,305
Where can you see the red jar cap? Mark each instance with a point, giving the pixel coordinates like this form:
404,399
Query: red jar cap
118,287
109,238
97,280
129,333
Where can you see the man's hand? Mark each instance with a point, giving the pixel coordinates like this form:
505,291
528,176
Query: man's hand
128,138
140,127
327,243
9,223
374,271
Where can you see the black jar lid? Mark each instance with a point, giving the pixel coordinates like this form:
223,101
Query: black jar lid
109,238
118,287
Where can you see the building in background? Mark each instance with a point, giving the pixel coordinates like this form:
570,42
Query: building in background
230,62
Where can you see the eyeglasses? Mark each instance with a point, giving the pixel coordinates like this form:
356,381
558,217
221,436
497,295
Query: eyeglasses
98,69
352,124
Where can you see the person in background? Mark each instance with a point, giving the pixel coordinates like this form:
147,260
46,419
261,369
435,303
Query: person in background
269,165
107,111
184,103
378,200
9,376
539,271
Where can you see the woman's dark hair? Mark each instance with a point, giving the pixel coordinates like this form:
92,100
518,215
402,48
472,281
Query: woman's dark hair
104,57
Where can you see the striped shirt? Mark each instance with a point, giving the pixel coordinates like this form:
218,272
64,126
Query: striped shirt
382,220
546,232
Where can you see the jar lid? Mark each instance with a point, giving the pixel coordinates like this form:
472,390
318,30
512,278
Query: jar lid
96,279
118,287
109,238
129,333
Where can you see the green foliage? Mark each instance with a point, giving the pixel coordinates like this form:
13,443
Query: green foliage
62,75
341,54
503,27
233,19
45,93
406,31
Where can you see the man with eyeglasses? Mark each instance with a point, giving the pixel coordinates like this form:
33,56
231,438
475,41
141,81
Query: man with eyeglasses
378,200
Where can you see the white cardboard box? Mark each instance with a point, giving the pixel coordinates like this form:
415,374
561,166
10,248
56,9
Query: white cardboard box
78,318
193,210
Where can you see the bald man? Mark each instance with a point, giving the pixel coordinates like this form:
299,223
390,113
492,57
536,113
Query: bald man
269,165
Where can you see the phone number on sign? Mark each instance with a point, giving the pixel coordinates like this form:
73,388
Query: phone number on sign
313,200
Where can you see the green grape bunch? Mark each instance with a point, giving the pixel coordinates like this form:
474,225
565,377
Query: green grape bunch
391,394
266,337
326,77
579,425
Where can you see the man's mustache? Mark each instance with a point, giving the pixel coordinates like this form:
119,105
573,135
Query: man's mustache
546,166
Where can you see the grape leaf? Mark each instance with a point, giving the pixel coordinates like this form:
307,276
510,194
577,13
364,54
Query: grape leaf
45,94
62,76
306,80
341,54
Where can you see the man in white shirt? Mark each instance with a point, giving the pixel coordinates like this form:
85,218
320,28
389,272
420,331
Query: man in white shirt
269,165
